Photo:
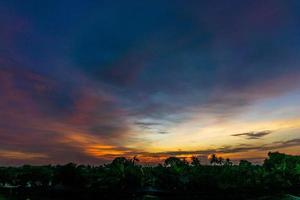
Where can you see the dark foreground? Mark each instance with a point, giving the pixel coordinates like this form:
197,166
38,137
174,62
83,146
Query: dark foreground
154,197
175,179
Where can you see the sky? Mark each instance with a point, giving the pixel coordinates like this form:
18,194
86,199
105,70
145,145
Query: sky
88,81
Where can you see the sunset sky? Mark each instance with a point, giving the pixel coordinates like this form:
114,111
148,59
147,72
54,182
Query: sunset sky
87,81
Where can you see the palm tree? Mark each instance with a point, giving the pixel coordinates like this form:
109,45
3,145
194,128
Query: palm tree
228,162
220,161
195,161
214,159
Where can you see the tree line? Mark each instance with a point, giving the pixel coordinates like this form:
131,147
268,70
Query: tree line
279,172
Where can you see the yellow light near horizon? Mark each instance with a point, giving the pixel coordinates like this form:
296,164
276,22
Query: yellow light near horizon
186,138
101,152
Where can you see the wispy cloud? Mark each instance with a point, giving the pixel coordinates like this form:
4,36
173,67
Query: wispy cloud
254,135
84,93
163,132
147,125
229,149
18,155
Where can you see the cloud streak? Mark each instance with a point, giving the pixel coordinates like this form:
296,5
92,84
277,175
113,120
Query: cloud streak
254,135
228,149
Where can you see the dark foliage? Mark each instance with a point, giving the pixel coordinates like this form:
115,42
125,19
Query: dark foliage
279,172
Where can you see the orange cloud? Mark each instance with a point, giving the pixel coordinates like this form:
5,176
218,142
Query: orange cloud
7,154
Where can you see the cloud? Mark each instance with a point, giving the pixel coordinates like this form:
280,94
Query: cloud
147,125
85,85
37,120
288,143
254,135
21,155
163,132
240,149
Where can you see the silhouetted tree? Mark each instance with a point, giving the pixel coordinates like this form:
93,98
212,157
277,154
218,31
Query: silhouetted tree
214,159
195,161
228,162
279,172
